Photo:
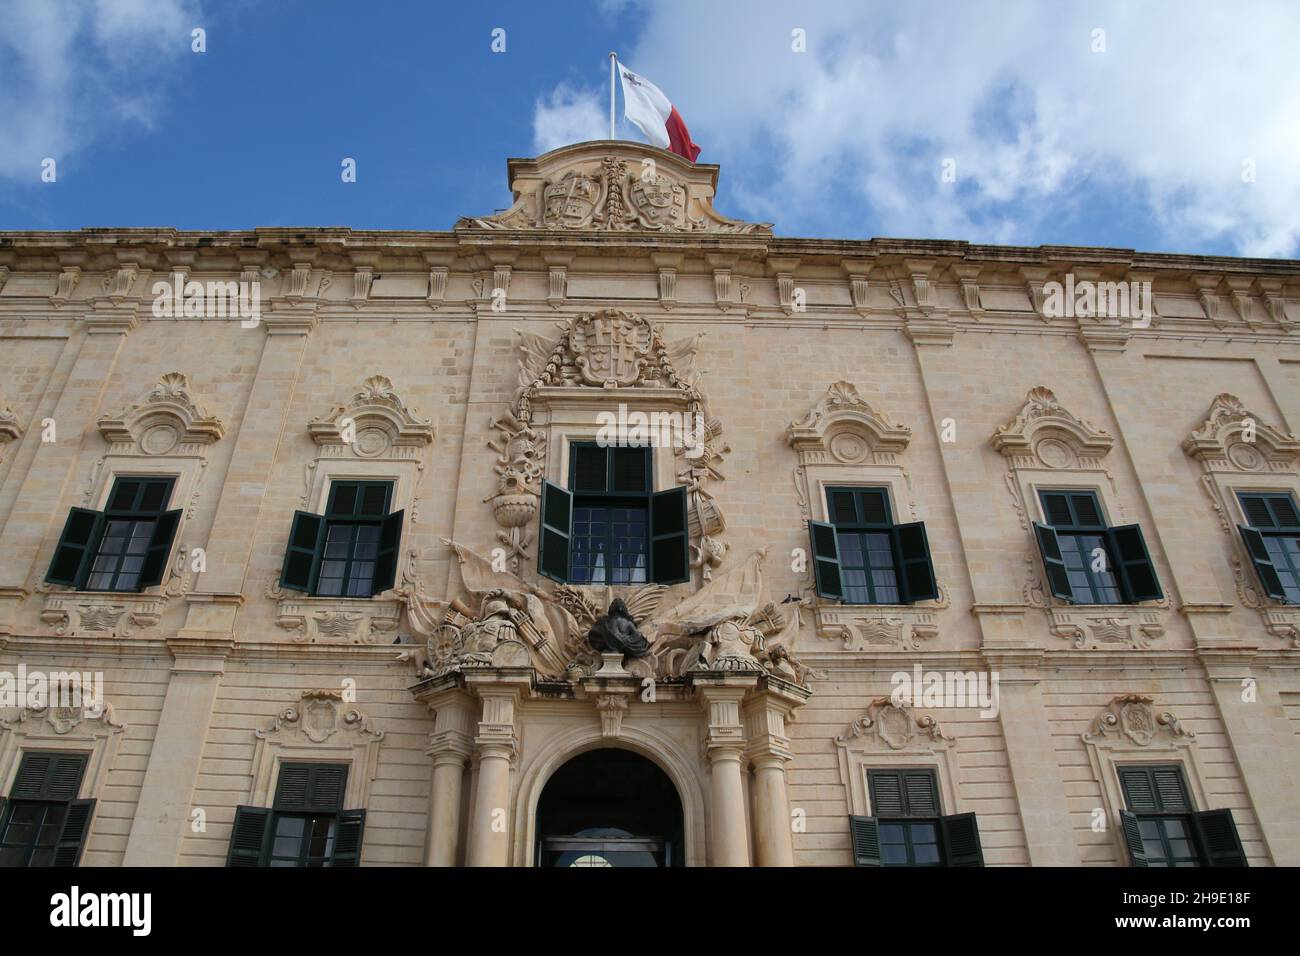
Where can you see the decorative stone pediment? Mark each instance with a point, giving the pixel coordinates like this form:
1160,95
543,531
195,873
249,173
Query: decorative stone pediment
317,717
1132,716
893,726
167,421
843,427
1045,433
612,186
1233,439
377,423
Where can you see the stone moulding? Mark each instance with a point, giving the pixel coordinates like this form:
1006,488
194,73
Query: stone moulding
10,430
896,726
1134,716
167,421
816,436
1045,432
376,423
321,620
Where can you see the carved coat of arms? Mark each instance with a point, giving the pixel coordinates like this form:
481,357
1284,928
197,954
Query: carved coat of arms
571,200
610,348
660,202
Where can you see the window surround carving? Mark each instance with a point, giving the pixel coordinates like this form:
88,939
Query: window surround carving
165,434
842,440
891,736
319,728
1230,464
603,363
90,729
1047,447
374,437
10,430
1129,730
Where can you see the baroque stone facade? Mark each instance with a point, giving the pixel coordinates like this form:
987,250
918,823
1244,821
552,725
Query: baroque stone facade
463,370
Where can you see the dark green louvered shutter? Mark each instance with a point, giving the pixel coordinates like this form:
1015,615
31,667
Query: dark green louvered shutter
1220,843
1058,580
865,834
557,529
160,548
1137,852
76,548
670,560
915,569
49,776
307,786
306,537
390,542
347,838
826,559
1133,563
904,793
1155,789
961,840
249,837
1265,570
76,829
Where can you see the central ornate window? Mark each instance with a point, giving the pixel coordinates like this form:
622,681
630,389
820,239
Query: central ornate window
610,526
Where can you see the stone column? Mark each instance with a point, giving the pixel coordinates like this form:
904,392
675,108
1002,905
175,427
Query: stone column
162,815
450,746
769,750
38,509
495,748
722,693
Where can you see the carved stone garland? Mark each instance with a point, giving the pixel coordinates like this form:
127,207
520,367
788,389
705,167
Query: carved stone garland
611,350
1236,447
843,440
1042,440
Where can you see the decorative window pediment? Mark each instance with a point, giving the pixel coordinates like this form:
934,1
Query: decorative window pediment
1132,716
1045,433
843,427
167,421
893,735
87,724
1233,439
321,726
376,424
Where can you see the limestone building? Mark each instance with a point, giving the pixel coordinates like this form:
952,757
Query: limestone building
606,529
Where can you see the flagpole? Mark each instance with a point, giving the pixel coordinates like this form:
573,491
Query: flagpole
613,57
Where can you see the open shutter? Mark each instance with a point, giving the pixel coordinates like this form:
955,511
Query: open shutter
76,828
160,548
961,840
1219,840
1264,568
249,837
303,552
915,569
1129,551
865,833
557,529
347,839
670,561
390,540
1133,839
826,559
1058,580
76,547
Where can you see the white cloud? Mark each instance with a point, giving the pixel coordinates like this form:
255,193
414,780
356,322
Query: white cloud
71,70
569,115
856,129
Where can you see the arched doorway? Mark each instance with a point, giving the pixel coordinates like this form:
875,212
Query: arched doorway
609,808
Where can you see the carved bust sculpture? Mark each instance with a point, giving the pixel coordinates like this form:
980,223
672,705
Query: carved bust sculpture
615,631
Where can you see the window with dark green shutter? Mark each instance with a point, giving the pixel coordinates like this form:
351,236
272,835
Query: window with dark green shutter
1272,539
126,546
306,824
1162,828
42,822
1087,561
907,826
351,550
862,557
609,526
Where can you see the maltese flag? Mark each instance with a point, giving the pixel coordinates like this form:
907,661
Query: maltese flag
646,106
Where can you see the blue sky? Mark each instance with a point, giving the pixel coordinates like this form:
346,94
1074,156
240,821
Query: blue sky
1180,133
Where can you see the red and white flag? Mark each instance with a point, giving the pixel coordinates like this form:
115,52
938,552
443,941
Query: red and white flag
646,106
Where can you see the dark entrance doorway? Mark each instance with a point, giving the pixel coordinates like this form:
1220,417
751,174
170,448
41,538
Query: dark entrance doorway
609,808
